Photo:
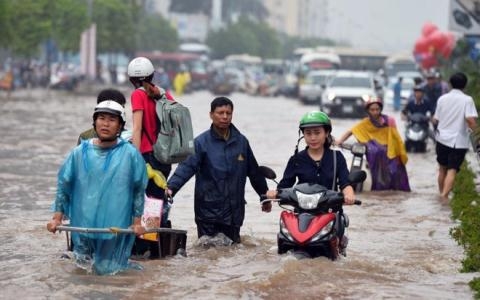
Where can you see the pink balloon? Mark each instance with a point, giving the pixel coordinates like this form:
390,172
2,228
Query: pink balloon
428,28
421,45
437,39
447,48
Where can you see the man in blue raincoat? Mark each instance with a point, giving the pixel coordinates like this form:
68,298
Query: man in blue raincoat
102,184
221,164
397,94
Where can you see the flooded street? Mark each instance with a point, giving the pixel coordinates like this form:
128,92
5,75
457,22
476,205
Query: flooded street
400,247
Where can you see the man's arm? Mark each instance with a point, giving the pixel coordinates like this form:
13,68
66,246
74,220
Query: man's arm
471,122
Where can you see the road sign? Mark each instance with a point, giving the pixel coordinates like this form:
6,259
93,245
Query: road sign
464,16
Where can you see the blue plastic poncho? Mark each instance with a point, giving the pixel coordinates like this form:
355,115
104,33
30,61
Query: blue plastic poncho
100,188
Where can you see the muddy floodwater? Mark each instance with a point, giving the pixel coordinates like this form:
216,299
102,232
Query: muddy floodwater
400,247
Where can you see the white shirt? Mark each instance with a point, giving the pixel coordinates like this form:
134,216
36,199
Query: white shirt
452,110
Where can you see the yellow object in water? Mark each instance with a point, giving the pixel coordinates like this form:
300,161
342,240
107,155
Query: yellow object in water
157,177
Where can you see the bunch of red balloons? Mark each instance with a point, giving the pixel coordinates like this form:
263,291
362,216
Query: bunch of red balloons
431,45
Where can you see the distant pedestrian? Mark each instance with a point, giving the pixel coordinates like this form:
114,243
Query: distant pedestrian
433,90
397,94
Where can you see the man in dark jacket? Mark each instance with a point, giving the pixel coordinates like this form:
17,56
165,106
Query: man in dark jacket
433,91
221,164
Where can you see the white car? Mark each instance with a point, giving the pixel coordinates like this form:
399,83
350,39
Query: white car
347,93
311,90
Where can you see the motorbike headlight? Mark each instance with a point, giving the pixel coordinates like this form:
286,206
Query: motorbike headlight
331,96
325,230
307,201
358,148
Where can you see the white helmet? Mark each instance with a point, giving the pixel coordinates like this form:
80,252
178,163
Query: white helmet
111,107
140,67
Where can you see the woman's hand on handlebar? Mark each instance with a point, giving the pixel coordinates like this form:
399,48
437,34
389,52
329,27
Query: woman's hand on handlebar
348,195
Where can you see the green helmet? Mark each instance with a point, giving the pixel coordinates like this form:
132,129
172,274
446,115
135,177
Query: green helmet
315,119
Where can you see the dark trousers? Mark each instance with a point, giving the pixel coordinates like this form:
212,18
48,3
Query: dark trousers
212,229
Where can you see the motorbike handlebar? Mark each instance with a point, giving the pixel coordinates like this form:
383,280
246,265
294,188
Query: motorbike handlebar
357,202
346,146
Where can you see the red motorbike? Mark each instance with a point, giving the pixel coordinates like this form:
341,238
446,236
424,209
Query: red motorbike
313,224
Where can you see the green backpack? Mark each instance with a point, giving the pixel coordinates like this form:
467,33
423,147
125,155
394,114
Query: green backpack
175,132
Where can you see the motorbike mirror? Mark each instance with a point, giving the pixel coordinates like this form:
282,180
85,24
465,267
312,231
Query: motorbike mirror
267,172
357,176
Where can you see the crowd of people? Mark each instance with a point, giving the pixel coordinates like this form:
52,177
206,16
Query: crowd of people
103,181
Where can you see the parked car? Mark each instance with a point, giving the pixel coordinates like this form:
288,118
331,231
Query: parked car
347,92
311,90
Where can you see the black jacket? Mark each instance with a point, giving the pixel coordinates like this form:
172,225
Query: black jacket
221,169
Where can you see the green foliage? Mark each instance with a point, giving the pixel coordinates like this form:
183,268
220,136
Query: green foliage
122,26
69,19
115,25
245,36
465,206
475,285
156,33
4,24
465,203
28,25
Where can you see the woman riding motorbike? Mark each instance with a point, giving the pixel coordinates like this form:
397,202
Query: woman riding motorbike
317,163
386,154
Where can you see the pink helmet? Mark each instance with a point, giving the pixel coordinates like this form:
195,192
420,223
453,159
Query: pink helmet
372,100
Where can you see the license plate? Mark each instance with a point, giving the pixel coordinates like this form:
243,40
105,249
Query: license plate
347,108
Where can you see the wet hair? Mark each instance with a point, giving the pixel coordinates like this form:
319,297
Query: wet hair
220,101
458,81
111,94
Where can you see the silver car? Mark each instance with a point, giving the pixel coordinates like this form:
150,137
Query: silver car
311,90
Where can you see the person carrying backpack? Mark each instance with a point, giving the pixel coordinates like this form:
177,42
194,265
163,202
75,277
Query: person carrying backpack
141,72
143,101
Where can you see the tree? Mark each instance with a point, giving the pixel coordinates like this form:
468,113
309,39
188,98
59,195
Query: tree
27,26
156,34
116,28
4,24
68,20
245,36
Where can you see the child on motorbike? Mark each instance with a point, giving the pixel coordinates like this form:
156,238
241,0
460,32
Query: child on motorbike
317,163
